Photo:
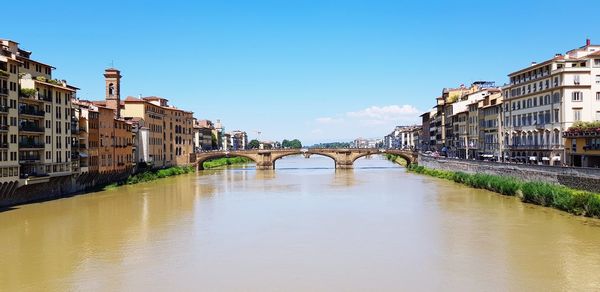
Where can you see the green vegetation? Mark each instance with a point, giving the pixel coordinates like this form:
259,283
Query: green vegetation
226,161
294,144
396,158
28,92
253,144
545,194
585,126
147,176
4,73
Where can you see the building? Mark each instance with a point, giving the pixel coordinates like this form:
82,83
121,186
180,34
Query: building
203,135
239,140
9,95
35,118
490,126
544,99
457,114
170,130
582,145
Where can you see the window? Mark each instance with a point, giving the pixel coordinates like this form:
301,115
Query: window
597,118
556,116
597,79
577,96
576,80
597,96
576,114
596,62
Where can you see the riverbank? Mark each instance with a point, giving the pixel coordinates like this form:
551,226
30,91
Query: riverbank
566,199
396,159
226,161
147,176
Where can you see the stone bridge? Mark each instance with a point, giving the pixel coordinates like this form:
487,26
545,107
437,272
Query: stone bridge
265,159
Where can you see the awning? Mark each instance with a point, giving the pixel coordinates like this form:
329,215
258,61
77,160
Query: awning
545,158
556,158
532,158
83,155
487,155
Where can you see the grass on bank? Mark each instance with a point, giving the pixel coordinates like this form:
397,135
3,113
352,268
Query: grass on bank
396,159
147,176
226,161
540,193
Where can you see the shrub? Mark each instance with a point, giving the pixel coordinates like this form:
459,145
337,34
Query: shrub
539,193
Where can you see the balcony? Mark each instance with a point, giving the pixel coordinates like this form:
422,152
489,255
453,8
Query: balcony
29,158
31,145
3,128
536,147
74,131
3,91
31,128
3,145
4,109
75,145
30,111
74,155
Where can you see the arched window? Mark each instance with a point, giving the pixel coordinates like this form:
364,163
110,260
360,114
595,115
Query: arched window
111,89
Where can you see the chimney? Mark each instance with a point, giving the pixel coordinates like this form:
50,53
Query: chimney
588,42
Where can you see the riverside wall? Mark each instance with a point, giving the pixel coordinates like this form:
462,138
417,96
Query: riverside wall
574,177
59,187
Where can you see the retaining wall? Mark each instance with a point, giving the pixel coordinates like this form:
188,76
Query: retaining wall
575,177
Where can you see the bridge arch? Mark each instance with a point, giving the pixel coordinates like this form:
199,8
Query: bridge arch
300,152
216,155
408,158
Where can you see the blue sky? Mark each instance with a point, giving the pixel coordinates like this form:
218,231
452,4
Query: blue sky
313,70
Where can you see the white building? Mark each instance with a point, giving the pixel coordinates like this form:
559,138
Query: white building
544,99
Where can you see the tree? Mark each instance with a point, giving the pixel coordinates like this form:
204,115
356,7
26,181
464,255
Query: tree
253,144
296,144
214,141
285,144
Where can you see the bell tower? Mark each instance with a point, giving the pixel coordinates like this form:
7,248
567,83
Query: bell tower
112,78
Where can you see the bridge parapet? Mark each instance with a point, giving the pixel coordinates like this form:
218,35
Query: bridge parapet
265,159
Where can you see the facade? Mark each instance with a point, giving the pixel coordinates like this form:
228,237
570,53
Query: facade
9,95
35,119
170,140
239,140
543,100
490,125
582,147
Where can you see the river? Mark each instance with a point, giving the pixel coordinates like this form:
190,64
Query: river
302,227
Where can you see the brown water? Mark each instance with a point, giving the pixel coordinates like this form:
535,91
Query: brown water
302,227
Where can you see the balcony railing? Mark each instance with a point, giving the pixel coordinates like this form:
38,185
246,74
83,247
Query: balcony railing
32,145
3,128
31,112
29,158
535,147
74,131
4,91
31,128
4,109
3,145
574,134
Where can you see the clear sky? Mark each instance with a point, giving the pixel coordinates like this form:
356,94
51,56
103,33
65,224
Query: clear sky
314,70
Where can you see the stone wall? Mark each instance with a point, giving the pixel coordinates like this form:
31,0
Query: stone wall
59,187
578,178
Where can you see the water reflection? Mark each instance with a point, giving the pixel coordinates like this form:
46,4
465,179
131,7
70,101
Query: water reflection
304,226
